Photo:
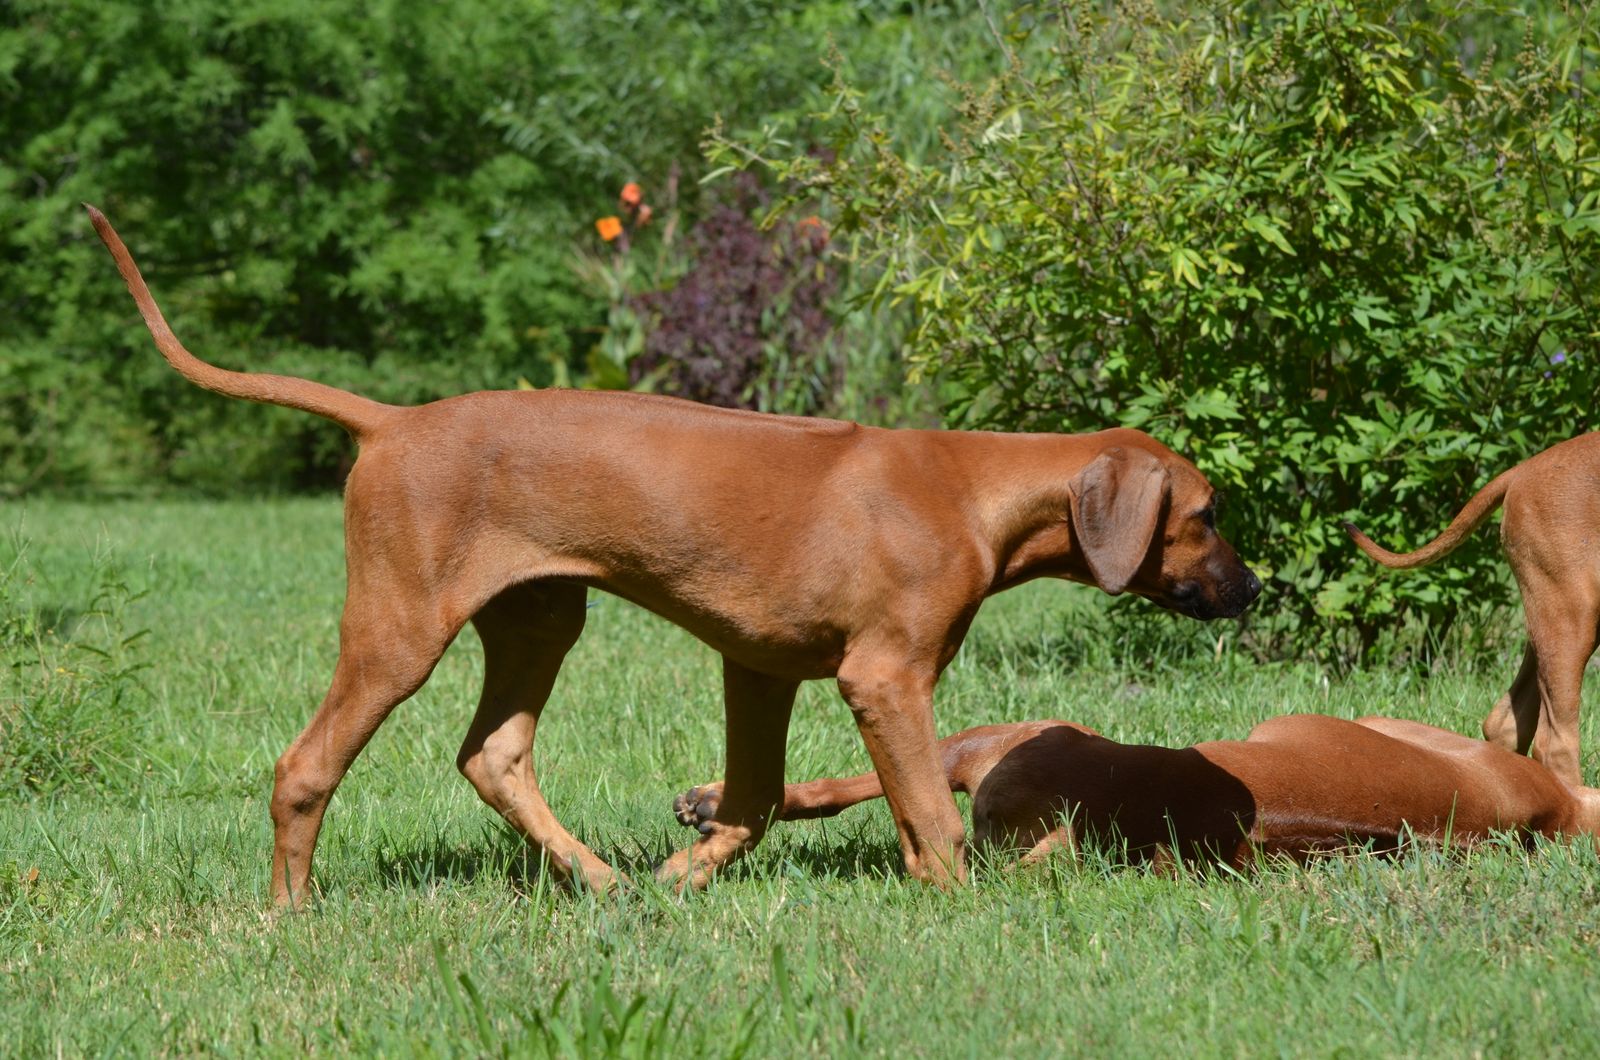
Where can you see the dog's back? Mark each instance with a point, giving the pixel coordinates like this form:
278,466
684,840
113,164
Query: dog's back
1298,785
1382,779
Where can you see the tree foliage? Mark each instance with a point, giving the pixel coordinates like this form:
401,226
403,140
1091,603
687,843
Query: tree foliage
382,195
1314,244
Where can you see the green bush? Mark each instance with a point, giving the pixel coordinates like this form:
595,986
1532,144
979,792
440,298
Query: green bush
1302,242
382,195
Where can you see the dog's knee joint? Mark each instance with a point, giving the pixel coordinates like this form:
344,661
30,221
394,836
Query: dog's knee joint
488,769
874,691
293,794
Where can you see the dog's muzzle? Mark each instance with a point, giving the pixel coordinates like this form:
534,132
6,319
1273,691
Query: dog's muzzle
1231,600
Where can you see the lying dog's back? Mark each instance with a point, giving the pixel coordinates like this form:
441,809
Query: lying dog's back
1297,785
1318,781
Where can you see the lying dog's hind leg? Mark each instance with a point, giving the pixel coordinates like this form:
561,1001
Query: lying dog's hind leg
526,632
1061,839
758,709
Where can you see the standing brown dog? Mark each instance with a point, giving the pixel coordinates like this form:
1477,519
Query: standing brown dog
1299,785
1551,534
796,548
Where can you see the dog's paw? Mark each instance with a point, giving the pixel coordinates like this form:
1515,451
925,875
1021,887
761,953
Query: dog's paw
695,808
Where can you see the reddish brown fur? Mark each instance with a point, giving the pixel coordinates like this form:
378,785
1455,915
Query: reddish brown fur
1551,534
797,548
1299,785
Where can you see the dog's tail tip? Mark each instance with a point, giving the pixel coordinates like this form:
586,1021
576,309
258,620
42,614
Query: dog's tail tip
102,226
1372,549
1356,534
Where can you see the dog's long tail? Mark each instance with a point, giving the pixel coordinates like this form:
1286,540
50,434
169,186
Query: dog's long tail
354,413
1479,508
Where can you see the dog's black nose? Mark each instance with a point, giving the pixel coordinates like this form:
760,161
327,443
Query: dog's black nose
1252,583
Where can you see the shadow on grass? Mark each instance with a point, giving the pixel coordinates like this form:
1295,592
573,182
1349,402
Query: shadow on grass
503,856
844,856
840,852
60,620
500,856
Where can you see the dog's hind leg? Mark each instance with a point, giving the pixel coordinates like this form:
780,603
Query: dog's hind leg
526,632
1553,563
1565,630
386,651
1512,722
758,709
1061,839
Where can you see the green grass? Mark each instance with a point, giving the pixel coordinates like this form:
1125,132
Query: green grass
133,861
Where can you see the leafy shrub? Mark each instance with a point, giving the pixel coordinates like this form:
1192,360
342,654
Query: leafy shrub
1302,242
737,316
747,325
382,195
66,721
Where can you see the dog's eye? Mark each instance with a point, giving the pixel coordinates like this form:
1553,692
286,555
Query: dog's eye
1209,517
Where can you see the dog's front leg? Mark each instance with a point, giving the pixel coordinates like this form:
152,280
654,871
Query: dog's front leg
893,708
757,708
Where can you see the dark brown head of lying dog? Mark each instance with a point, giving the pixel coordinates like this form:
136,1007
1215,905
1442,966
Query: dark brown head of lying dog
1144,519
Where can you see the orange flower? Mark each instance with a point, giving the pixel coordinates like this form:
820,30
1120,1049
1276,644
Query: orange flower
609,228
631,195
815,223
644,214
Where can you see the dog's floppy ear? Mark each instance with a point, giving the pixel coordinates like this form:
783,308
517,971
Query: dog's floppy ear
1116,504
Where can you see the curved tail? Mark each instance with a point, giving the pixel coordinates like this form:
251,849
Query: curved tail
354,413
1482,504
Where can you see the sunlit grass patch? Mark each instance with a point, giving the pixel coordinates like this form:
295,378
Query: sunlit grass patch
134,911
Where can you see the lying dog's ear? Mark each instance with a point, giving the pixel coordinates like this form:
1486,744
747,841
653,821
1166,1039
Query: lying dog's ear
1116,503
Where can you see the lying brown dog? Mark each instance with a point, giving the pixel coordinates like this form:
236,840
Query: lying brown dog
797,548
1551,534
1299,785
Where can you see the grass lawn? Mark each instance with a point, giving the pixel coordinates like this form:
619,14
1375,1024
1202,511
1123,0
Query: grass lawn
133,896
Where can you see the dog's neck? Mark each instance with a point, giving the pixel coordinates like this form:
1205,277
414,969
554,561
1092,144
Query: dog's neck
1024,505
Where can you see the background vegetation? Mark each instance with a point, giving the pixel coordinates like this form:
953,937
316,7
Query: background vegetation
391,197
1342,254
